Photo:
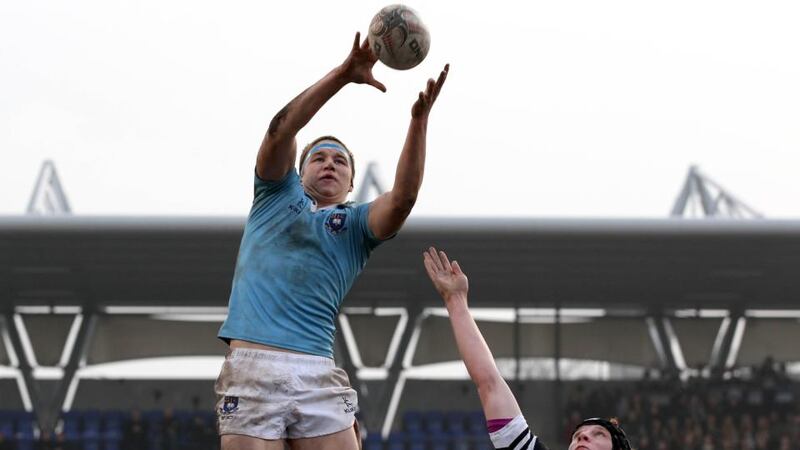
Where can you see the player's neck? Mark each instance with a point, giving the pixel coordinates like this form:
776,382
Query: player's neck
324,203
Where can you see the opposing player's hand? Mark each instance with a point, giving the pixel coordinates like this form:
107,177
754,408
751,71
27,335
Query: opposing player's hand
422,107
447,277
357,68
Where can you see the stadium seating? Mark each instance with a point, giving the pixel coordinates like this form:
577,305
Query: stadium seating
760,410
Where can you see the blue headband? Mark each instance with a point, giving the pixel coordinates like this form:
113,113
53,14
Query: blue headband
324,145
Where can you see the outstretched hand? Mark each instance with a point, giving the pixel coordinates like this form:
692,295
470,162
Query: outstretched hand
357,68
447,278
422,107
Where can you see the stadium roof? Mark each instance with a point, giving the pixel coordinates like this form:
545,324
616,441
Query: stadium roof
654,263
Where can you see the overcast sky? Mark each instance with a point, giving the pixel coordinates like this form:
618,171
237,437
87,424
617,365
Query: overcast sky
558,108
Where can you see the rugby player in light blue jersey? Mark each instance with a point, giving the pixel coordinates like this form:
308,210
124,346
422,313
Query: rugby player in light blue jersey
302,248
507,427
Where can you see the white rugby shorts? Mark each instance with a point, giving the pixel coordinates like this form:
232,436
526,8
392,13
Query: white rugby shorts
278,395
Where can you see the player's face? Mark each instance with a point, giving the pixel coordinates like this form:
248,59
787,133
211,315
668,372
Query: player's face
327,175
591,437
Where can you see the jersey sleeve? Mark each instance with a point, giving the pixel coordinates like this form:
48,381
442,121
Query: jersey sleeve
362,221
516,435
265,188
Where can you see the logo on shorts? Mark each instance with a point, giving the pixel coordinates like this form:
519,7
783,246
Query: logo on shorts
230,405
349,407
335,223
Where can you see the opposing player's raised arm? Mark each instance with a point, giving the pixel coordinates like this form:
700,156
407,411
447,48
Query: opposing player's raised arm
279,147
389,211
496,397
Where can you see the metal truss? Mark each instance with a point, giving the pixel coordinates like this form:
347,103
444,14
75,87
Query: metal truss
48,197
703,197
46,404
370,182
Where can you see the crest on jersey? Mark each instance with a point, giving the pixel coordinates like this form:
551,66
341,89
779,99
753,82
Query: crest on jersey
335,223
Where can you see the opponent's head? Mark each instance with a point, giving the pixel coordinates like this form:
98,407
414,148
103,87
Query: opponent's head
599,434
327,170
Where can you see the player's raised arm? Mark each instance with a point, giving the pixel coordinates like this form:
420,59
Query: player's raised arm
279,147
496,397
389,211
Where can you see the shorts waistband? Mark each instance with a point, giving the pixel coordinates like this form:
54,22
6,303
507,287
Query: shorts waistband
277,356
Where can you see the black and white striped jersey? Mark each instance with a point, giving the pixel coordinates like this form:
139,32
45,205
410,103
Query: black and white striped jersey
516,435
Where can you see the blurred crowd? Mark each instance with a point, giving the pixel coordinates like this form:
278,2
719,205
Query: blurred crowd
758,410
92,430
195,431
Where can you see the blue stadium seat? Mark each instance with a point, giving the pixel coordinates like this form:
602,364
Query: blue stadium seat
481,442
476,423
113,420
112,425
416,444
153,419
456,423
412,422
7,428
111,438
72,425
153,415
91,419
434,422
90,435
396,441
461,443
90,430
24,431
25,428
20,415
439,442
373,441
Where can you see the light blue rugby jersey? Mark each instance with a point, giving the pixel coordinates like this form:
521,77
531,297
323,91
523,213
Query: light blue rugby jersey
295,266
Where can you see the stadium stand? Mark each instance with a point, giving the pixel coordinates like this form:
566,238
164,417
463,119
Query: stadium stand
108,330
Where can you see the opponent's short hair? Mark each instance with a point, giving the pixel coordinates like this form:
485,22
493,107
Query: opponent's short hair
307,148
619,440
